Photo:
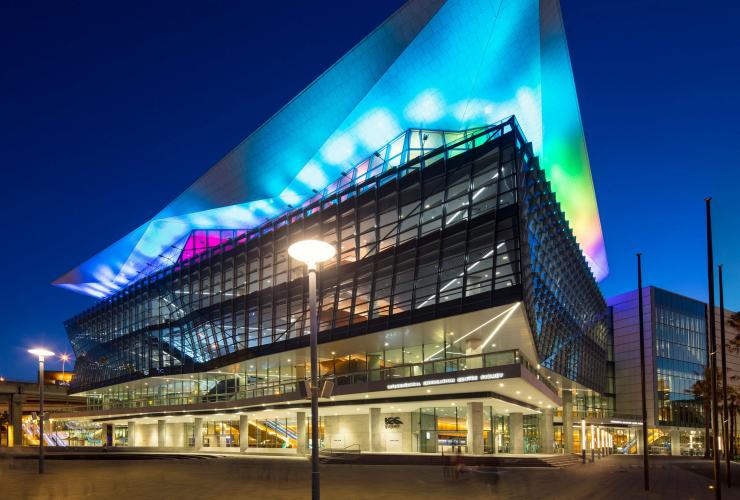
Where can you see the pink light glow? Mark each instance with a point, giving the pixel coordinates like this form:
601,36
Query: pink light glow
201,240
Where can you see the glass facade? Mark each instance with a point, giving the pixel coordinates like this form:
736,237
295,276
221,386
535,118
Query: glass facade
680,358
262,379
67,433
434,224
532,435
417,67
445,430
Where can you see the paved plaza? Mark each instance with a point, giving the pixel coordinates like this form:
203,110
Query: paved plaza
203,477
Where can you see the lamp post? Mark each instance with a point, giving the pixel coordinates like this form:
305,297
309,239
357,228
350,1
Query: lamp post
712,354
583,440
63,358
645,466
312,253
41,353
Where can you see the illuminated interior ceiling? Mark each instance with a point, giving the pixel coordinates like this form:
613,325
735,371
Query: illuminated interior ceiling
434,64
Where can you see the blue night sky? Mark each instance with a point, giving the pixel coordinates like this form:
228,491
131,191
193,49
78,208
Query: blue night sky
110,110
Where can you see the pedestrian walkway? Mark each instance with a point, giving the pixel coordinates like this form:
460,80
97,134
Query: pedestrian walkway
609,478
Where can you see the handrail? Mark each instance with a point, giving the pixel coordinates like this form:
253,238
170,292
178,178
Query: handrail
244,392
346,449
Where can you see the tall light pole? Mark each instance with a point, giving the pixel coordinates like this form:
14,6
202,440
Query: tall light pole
312,253
645,447
713,353
41,353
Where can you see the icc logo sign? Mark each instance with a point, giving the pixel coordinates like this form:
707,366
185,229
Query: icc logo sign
393,422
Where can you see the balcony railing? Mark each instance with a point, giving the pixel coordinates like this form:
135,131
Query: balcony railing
441,366
387,373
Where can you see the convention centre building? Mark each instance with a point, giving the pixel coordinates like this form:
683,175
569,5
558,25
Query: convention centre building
444,159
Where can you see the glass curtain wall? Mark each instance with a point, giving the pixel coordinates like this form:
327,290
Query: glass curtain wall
259,379
273,433
429,235
680,355
444,430
413,242
64,433
532,437
221,434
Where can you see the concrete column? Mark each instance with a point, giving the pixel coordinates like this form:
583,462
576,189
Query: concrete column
131,433
107,434
676,443
494,431
198,433
112,434
472,347
376,430
475,428
16,419
568,421
176,435
547,432
640,444
516,432
301,432
161,433
243,432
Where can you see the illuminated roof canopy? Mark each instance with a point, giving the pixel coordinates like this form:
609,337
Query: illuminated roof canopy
434,64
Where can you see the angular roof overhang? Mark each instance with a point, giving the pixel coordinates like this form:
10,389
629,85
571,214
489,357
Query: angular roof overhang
452,65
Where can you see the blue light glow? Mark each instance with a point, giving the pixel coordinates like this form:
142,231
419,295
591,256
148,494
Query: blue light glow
451,65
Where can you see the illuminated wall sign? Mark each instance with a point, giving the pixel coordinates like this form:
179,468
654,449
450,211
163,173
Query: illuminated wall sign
405,385
625,422
434,64
439,381
447,380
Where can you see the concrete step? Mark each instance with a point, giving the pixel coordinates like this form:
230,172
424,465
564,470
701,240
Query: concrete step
469,460
565,460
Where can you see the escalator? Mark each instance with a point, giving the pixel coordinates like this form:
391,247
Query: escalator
657,442
279,431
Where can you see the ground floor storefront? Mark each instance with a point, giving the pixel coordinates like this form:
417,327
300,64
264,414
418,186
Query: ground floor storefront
442,426
442,418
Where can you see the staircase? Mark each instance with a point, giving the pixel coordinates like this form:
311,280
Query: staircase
560,461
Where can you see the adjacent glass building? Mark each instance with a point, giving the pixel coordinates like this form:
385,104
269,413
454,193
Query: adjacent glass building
462,307
675,359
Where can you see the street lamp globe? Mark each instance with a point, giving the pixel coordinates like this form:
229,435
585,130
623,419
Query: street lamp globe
311,252
41,352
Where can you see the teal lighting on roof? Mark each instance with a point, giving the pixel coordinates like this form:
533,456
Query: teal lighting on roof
434,64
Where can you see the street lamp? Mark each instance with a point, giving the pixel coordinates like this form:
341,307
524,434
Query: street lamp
312,253
41,353
63,358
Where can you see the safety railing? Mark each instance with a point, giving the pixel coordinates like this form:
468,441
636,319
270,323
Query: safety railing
383,374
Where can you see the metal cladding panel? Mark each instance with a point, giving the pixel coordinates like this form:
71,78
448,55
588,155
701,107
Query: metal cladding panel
568,316
451,65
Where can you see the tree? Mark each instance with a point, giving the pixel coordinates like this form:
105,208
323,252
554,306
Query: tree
733,402
734,343
702,390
